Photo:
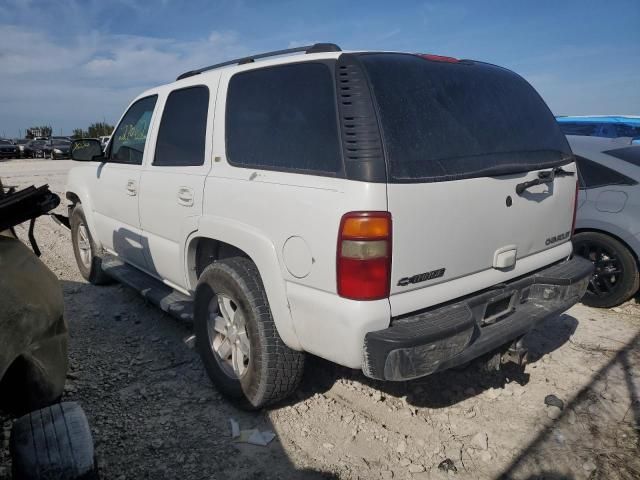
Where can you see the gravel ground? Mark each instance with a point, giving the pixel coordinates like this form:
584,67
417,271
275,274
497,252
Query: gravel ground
154,413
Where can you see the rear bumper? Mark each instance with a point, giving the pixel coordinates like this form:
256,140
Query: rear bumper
423,343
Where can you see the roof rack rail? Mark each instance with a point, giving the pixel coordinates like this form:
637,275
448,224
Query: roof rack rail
315,48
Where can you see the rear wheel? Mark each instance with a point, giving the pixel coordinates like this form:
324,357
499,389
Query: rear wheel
85,250
615,279
237,338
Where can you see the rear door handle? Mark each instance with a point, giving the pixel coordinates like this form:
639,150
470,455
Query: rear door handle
131,187
185,196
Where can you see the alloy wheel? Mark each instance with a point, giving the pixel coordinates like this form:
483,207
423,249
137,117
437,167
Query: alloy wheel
608,275
84,245
228,339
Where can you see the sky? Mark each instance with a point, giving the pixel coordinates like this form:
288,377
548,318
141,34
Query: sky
69,63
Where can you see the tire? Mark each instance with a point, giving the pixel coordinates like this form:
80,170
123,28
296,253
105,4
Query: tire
616,277
54,442
53,157
272,371
89,264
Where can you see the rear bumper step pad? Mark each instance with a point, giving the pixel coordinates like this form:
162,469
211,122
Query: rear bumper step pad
424,343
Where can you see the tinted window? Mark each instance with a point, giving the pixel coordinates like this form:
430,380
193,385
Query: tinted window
623,130
594,175
443,121
181,137
283,118
5,142
131,135
579,128
628,154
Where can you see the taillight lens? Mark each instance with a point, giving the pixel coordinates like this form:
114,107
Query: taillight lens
575,208
364,255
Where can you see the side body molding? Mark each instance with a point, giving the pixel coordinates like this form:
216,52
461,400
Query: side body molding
263,253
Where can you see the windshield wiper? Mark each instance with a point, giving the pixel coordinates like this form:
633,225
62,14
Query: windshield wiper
543,177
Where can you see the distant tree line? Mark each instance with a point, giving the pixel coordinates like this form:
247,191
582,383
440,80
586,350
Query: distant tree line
95,130
98,129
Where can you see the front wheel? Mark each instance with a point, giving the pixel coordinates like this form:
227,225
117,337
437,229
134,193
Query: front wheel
237,339
85,250
615,278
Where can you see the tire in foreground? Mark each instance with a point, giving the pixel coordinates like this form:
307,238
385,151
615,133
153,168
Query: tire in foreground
53,443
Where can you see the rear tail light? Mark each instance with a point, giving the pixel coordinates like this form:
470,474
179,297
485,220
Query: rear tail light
575,208
364,255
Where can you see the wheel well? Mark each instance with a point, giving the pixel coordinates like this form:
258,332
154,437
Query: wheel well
13,381
72,197
205,251
595,230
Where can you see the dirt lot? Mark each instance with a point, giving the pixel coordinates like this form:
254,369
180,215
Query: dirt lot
155,415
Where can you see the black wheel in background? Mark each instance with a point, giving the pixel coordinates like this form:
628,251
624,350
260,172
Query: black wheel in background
615,279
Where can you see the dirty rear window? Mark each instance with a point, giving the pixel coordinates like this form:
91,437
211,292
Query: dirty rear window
447,121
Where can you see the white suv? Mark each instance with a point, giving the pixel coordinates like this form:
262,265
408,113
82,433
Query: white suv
390,212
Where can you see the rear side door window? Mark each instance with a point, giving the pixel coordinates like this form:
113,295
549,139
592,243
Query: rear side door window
181,137
284,118
130,137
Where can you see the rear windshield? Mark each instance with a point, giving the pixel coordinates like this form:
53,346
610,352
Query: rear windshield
447,121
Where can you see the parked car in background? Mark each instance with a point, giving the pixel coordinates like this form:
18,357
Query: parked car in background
608,126
34,149
56,148
608,218
20,143
8,149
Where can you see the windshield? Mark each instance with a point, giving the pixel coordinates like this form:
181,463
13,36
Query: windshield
446,121
61,142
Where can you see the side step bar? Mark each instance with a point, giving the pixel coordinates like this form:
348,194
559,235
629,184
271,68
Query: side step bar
174,303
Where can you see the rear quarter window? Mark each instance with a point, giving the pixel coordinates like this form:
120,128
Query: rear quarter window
283,118
594,175
628,154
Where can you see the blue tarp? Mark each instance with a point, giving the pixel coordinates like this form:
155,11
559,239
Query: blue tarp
633,121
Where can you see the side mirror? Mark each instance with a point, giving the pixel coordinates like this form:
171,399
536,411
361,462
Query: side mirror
87,150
